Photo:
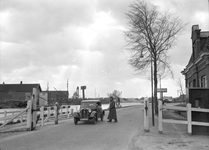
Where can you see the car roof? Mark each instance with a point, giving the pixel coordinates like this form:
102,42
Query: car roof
90,101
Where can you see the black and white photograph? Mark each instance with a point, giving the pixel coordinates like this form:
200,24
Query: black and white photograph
104,74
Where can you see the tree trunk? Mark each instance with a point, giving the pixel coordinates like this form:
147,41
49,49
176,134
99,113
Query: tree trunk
155,86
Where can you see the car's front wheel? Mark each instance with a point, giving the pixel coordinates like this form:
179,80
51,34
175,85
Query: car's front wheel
75,121
94,120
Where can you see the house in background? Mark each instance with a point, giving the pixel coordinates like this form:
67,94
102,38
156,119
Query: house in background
57,96
16,92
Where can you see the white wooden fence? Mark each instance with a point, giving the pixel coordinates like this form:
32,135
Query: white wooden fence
21,115
188,121
46,114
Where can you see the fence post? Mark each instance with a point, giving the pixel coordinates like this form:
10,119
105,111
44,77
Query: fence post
21,119
67,111
189,118
72,111
29,115
160,117
42,115
146,115
48,113
61,110
5,114
55,114
34,107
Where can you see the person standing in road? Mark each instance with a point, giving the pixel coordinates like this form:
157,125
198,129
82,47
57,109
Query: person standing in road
58,107
112,111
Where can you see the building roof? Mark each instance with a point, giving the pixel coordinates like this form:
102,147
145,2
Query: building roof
19,87
55,92
204,43
90,101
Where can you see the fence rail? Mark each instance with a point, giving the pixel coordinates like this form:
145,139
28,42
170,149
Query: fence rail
188,120
12,117
45,114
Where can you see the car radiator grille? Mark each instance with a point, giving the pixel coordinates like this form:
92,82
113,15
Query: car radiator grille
84,113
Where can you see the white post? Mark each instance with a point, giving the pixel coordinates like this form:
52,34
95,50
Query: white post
21,119
34,106
67,111
48,113
42,115
160,117
29,115
55,114
61,110
5,114
146,115
72,111
189,118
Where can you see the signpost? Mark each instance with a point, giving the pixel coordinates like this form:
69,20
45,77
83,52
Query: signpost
161,91
83,88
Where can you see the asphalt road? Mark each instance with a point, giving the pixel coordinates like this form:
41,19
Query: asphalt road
84,136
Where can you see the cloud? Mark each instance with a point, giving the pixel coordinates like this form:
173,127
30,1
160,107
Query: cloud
31,20
83,41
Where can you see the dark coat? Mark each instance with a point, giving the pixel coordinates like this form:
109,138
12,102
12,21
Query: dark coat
112,111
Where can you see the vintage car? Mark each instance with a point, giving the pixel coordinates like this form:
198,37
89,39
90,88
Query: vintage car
90,110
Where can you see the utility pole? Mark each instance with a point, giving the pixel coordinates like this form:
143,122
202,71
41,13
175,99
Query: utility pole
67,90
153,119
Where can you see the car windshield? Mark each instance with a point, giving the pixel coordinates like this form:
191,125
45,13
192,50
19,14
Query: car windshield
88,105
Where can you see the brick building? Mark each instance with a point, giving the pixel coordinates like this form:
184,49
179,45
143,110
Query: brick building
16,93
57,96
197,78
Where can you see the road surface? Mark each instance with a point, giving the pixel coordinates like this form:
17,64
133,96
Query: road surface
84,136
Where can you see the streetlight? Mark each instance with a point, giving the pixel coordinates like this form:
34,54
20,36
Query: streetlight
153,120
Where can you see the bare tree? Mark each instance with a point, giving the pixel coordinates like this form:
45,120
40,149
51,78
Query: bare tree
149,36
115,94
181,89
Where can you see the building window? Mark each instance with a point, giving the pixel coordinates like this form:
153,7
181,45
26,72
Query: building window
203,81
190,84
199,103
194,83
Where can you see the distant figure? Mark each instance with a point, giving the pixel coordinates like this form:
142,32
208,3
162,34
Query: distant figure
58,107
112,111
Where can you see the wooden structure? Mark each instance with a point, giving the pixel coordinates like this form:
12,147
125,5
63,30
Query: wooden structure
30,116
189,122
146,113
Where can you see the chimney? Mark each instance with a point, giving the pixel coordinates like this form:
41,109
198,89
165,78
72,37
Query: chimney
195,41
195,27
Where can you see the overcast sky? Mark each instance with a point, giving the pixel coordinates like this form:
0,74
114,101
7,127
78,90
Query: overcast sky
82,41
